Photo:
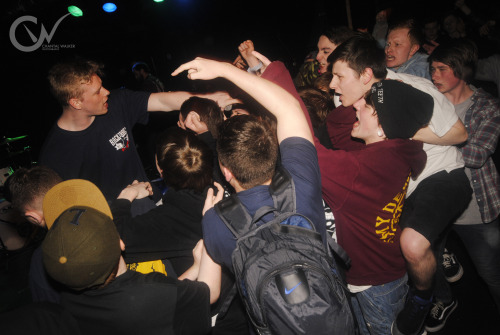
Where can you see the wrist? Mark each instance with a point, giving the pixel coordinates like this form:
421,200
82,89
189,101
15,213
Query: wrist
128,193
255,68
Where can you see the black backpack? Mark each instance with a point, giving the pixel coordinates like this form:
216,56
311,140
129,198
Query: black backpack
289,282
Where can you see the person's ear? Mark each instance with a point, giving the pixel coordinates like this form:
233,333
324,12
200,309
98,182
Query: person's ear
75,103
228,175
414,48
160,171
35,217
366,76
122,245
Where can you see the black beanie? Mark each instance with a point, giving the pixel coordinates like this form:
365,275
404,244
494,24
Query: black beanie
401,109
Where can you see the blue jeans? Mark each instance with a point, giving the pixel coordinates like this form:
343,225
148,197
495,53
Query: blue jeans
482,242
377,307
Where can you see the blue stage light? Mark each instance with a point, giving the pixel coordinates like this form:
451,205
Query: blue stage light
109,7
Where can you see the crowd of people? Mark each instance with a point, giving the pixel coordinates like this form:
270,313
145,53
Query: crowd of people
388,136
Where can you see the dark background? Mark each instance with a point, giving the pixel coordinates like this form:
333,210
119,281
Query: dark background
164,35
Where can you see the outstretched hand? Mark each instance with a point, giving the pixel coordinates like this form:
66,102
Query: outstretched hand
202,68
206,69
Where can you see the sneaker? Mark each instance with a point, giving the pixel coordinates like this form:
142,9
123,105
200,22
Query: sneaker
410,321
439,314
453,270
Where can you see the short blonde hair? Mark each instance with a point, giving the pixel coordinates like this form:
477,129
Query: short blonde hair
66,78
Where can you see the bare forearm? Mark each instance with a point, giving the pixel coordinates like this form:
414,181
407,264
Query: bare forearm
191,273
210,274
167,101
456,135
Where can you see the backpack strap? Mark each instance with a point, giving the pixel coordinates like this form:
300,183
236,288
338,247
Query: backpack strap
338,251
282,190
263,211
234,215
228,300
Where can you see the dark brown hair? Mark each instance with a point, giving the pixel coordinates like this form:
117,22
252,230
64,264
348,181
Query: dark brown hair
318,104
248,147
208,110
460,55
186,161
25,186
360,52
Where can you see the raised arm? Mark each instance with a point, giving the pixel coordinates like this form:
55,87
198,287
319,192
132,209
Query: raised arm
172,101
255,65
288,112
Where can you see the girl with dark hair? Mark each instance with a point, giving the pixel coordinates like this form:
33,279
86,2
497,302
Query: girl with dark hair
171,230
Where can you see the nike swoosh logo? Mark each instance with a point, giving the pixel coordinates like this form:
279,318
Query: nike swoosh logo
288,291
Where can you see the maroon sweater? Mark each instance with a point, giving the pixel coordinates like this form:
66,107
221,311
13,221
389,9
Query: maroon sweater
366,189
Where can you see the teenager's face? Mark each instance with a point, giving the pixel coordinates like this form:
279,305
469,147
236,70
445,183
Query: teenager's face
398,48
431,31
450,24
347,84
94,98
443,77
367,126
325,48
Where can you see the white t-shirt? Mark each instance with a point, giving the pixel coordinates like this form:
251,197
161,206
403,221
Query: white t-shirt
439,157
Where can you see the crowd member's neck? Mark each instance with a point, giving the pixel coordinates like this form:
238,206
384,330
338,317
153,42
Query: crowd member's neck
122,267
74,121
459,94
